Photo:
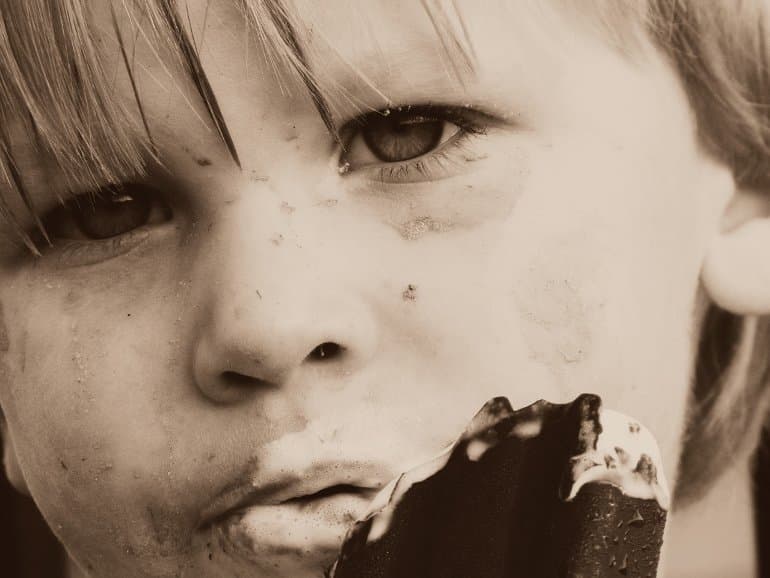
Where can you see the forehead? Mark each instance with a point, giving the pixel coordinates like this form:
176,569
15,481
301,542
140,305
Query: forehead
376,53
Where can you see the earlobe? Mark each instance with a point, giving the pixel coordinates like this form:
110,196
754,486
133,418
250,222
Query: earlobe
10,461
736,269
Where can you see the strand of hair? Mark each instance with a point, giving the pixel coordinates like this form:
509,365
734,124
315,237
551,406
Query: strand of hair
130,72
288,36
198,75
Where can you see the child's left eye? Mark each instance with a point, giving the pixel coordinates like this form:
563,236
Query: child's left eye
107,213
400,136
405,138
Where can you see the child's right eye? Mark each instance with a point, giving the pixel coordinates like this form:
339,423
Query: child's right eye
109,212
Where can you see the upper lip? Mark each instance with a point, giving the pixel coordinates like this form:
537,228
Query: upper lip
318,480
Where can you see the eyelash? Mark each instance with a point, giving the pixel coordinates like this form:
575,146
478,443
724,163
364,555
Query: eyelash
78,253
427,165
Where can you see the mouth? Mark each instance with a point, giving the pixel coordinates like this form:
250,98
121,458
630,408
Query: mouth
304,515
335,490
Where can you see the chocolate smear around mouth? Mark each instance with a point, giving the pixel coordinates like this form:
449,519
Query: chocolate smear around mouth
551,490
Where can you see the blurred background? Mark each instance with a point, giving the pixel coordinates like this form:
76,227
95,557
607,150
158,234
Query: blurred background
29,550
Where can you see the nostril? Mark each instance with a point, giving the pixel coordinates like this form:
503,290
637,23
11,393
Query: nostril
240,381
326,352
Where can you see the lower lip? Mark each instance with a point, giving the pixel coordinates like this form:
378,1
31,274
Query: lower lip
310,528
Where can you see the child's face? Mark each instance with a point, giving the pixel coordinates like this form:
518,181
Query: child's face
151,379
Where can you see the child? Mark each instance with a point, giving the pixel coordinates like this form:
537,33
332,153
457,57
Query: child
267,255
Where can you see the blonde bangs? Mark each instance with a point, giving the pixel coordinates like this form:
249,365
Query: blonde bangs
55,88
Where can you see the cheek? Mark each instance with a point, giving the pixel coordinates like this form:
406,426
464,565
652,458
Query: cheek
587,286
605,273
89,404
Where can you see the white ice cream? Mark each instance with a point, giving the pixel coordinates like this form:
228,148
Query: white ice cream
626,456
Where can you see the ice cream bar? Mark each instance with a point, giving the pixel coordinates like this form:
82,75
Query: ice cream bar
550,490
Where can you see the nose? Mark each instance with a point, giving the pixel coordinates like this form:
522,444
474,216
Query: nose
272,316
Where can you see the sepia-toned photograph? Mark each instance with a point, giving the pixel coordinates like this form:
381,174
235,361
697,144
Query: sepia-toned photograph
385,288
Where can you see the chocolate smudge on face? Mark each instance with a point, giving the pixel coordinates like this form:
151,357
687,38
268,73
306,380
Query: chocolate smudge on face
163,524
5,344
410,293
416,228
287,208
200,160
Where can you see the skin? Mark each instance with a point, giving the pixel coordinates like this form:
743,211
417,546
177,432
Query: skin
556,254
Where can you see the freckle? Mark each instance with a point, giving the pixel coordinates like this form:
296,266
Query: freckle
277,239
63,465
203,161
410,293
291,133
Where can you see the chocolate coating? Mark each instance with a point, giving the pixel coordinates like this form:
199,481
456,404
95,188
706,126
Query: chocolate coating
497,508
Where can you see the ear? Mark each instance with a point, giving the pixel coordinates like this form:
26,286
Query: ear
736,269
10,460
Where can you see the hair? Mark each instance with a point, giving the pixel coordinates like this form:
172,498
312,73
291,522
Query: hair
54,87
